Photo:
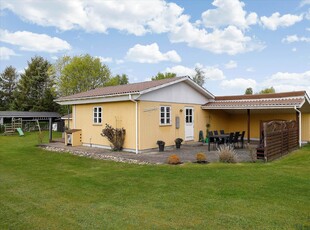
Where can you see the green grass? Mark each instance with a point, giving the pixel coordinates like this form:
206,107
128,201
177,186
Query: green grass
47,190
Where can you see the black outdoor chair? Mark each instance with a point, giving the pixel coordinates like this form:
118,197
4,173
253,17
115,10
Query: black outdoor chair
230,139
241,139
235,140
216,132
222,131
211,139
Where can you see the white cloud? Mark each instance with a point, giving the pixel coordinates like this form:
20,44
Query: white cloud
105,59
6,53
230,40
276,20
295,38
284,81
99,16
304,3
181,70
239,83
119,61
211,73
231,65
54,57
294,49
151,54
156,16
34,42
250,69
228,12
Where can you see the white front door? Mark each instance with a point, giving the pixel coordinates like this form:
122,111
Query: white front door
189,124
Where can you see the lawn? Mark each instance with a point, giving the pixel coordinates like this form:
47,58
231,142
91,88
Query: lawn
48,190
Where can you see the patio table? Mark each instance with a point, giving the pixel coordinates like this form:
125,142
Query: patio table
220,136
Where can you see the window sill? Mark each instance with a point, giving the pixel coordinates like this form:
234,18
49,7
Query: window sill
97,124
164,125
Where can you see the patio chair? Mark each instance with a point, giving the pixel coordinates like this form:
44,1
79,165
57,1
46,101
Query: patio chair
222,131
235,140
211,139
230,139
241,139
216,132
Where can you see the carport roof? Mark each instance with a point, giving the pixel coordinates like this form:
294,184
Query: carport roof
286,100
24,114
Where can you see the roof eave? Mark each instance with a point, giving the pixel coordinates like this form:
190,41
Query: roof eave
98,99
249,107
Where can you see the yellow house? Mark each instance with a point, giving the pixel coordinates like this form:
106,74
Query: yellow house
167,109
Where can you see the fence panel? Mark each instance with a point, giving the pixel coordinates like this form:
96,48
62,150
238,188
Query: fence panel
280,138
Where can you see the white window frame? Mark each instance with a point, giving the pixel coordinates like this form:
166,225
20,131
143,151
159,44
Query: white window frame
97,115
165,117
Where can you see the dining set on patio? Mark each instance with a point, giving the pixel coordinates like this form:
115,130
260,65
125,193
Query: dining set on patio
235,139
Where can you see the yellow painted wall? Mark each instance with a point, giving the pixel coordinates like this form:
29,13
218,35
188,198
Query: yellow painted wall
116,114
150,129
238,122
305,127
218,120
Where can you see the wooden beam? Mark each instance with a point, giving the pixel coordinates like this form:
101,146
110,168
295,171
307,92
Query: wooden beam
249,125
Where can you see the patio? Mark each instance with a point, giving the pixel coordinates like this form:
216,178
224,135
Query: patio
187,153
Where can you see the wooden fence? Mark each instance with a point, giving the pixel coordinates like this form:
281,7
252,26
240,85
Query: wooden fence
279,138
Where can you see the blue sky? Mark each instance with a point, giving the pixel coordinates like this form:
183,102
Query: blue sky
238,44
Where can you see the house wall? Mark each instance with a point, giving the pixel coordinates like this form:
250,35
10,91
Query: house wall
305,127
178,93
218,120
150,129
116,114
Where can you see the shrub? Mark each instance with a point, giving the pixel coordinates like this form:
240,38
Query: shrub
115,136
174,159
227,154
201,157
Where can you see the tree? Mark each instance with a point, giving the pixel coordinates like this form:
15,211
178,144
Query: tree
8,82
80,73
161,76
199,77
249,91
267,90
118,80
35,90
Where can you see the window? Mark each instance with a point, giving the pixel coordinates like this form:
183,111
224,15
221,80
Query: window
97,115
165,115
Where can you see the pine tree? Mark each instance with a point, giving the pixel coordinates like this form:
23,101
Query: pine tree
8,81
35,90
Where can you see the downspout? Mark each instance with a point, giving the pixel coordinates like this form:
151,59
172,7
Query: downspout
299,124
130,98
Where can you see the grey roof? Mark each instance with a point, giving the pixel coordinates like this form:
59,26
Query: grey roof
29,114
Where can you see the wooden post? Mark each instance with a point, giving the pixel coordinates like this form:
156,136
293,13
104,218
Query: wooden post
50,128
249,125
